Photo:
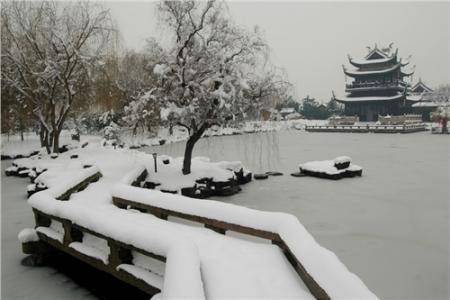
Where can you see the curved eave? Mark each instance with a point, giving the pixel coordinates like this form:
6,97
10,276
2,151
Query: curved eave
365,73
425,105
404,64
399,96
414,98
406,73
371,63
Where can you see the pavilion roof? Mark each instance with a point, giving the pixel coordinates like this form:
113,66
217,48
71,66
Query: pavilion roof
348,98
422,85
354,73
374,58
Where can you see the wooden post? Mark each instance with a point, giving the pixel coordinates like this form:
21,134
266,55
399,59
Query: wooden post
71,234
118,255
41,220
216,229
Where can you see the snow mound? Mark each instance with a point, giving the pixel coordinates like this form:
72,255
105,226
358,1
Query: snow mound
327,166
342,159
28,235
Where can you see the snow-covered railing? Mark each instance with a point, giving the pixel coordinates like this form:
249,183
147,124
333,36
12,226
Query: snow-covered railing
135,176
182,272
321,271
404,128
117,262
78,183
116,237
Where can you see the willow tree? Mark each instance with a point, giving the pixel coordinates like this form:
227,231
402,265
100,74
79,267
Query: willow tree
51,49
202,76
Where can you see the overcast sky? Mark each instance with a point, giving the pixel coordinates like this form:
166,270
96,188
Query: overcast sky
311,40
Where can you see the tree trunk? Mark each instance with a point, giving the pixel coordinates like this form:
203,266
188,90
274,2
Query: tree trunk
56,133
42,135
46,141
189,148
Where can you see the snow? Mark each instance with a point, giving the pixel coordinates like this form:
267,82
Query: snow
383,71
411,229
141,273
186,248
93,246
414,98
51,233
170,177
287,110
13,146
342,159
322,264
327,166
378,98
148,263
28,235
160,69
426,104
19,281
371,61
90,251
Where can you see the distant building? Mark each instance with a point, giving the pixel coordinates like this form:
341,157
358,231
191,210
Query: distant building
267,114
287,111
423,104
378,85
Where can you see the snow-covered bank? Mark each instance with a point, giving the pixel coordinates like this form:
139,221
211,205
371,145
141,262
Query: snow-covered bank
13,147
161,172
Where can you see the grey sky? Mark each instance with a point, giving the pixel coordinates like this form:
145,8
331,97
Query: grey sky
311,40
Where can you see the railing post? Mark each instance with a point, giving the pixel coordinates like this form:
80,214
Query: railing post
118,255
41,220
71,234
216,229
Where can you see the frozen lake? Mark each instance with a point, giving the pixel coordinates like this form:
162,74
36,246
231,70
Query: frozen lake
390,227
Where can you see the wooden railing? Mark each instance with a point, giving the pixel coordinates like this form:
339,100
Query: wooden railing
404,128
120,253
222,227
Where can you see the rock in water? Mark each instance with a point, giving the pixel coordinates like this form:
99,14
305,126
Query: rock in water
260,176
298,174
274,173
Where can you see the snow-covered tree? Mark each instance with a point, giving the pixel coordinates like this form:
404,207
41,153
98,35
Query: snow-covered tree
51,49
142,114
441,94
136,80
202,76
268,86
